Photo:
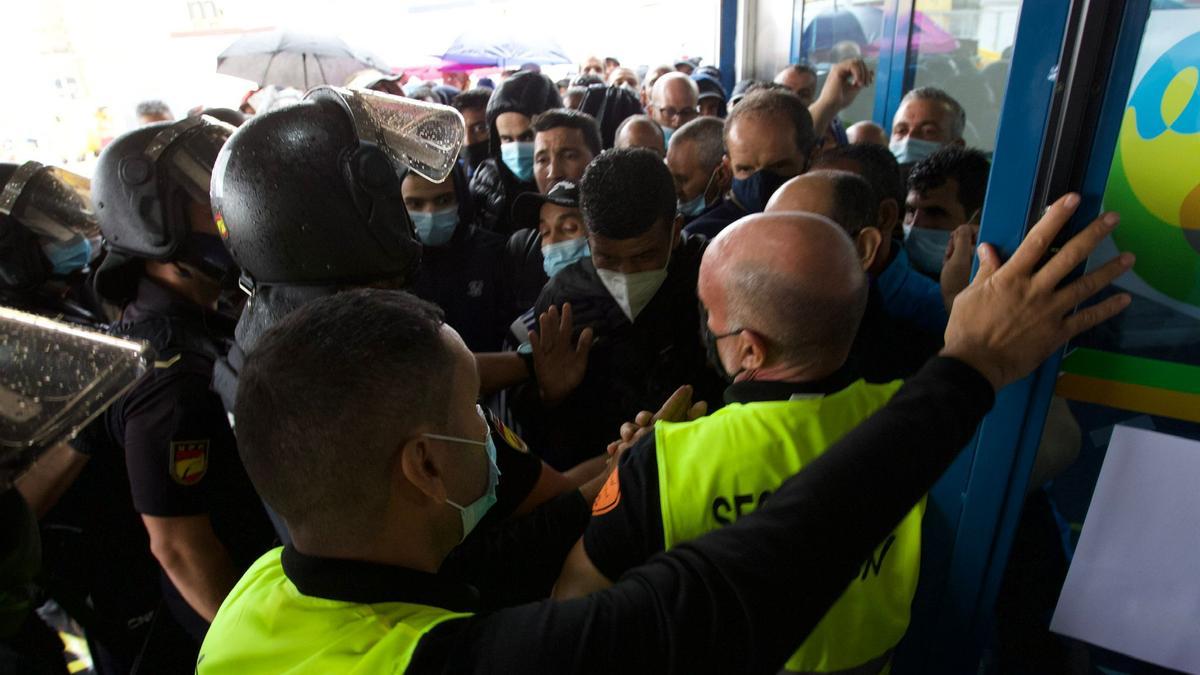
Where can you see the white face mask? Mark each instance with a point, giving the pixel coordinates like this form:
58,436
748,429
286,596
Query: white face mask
633,291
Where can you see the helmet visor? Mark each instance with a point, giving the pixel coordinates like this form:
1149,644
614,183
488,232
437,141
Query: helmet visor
53,203
424,137
187,151
54,379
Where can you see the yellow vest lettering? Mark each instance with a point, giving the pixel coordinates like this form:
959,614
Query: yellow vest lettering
722,467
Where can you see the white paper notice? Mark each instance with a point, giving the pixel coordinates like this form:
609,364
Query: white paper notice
1134,584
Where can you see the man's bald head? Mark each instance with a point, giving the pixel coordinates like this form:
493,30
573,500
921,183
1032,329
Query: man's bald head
674,100
793,279
845,198
640,131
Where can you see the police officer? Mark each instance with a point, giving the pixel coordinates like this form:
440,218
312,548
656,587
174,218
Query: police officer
48,239
167,443
310,201
793,394
358,590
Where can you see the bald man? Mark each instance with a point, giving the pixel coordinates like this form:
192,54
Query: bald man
674,101
868,133
885,348
640,131
792,395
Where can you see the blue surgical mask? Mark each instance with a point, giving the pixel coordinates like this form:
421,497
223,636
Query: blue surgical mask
435,228
474,512
695,206
68,256
518,157
926,248
754,192
556,257
667,131
909,150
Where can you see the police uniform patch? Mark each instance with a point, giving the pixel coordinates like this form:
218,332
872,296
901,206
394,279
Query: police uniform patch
189,461
609,496
509,436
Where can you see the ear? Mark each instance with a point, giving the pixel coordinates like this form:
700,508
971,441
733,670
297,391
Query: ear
889,215
418,467
752,351
724,178
959,142
868,243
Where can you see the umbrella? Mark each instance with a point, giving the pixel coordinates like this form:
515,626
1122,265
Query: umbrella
434,69
291,59
505,48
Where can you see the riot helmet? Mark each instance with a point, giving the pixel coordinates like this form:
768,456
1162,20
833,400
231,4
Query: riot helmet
46,225
310,194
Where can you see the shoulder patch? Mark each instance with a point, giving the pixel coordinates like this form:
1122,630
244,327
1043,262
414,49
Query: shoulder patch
609,496
189,461
510,437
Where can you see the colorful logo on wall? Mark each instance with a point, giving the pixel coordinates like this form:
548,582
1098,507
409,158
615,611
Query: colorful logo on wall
1155,178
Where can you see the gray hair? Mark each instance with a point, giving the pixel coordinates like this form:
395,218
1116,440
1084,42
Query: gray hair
153,107
958,124
708,133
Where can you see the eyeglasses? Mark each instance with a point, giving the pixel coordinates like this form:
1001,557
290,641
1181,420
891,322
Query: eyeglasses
681,113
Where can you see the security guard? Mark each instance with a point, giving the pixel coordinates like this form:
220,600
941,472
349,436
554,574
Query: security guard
48,239
167,444
358,589
793,395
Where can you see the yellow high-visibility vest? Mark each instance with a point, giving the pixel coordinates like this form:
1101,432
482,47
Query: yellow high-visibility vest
715,469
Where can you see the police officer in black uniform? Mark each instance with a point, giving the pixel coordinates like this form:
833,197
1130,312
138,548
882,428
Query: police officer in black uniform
194,522
48,239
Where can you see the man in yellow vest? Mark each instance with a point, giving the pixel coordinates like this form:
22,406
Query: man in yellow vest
380,489
783,295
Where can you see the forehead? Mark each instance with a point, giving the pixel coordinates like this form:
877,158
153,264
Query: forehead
922,110
653,237
559,136
677,92
512,121
416,186
553,213
761,135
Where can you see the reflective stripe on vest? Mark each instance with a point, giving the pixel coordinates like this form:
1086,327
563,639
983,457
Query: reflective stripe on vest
267,626
718,468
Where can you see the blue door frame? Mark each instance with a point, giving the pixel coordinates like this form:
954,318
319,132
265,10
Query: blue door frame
974,509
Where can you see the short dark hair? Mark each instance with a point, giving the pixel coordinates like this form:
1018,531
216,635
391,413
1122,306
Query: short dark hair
855,205
326,395
472,99
800,69
626,192
969,167
573,119
783,104
153,107
875,163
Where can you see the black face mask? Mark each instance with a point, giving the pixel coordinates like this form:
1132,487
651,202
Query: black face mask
710,340
476,153
207,253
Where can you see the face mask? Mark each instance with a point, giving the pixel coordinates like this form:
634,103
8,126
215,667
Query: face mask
754,192
911,150
633,291
207,253
67,256
926,248
518,157
667,131
474,512
556,257
476,153
710,346
437,227
694,207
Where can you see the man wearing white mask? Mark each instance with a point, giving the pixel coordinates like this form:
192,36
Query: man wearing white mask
928,118
637,292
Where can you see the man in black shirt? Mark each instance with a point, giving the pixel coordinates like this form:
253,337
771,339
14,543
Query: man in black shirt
735,600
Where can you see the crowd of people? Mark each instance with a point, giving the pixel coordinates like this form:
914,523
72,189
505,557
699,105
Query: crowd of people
439,401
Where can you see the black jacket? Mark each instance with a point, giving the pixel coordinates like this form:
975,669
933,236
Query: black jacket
528,273
633,366
493,186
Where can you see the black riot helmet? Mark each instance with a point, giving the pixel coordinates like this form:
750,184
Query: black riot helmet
46,222
309,194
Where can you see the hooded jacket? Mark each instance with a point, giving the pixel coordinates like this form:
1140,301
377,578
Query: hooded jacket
494,187
610,106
